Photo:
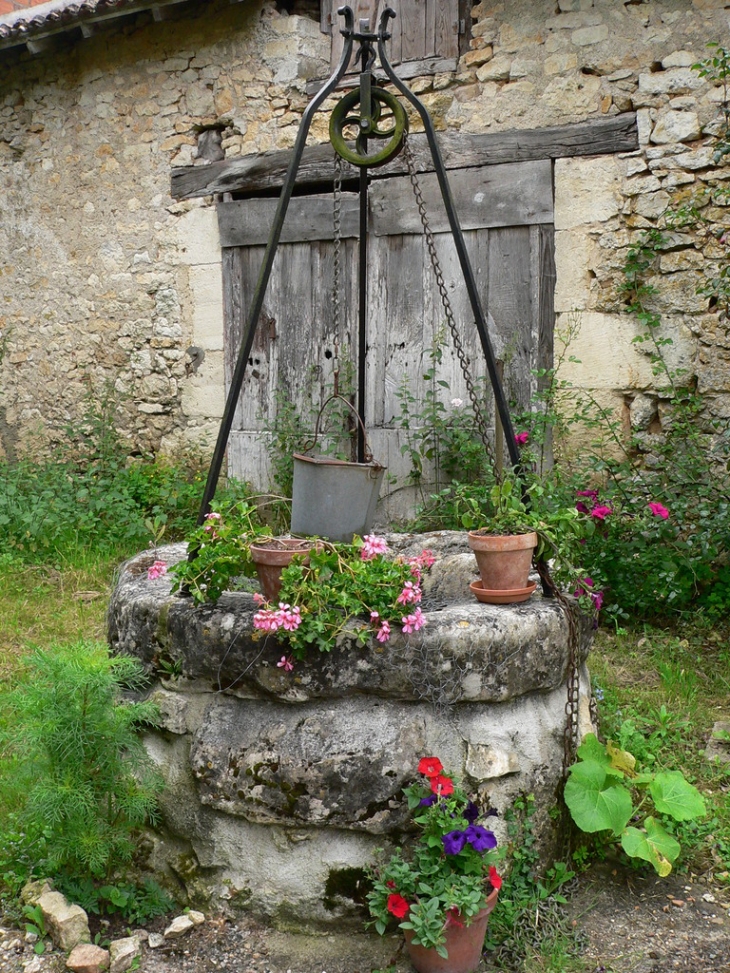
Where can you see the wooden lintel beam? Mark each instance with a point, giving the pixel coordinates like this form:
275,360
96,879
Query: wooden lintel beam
254,173
39,45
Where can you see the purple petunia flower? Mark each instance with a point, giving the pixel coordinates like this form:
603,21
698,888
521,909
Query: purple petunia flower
428,801
471,812
454,841
479,838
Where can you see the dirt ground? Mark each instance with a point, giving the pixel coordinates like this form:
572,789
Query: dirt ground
626,923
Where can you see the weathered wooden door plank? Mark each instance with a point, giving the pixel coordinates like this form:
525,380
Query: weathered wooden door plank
245,223
258,173
514,195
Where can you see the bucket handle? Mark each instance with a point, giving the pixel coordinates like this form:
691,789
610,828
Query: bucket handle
367,452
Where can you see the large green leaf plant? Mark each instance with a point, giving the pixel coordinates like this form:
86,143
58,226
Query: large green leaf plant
605,793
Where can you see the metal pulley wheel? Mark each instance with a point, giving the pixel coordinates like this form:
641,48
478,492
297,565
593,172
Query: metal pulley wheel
386,119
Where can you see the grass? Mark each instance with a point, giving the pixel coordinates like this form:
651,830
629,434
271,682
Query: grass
65,601
672,685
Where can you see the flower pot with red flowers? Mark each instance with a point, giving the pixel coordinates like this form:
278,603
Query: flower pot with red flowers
442,886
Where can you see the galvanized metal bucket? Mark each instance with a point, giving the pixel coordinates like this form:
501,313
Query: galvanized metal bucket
332,498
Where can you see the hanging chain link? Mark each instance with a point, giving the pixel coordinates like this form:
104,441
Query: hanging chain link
336,274
481,422
571,733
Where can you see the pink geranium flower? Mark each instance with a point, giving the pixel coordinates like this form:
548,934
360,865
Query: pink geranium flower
157,570
372,546
289,618
383,633
522,438
285,663
411,594
659,510
414,622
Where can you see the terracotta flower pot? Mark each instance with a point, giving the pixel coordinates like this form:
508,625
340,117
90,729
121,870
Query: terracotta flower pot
463,944
272,556
504,560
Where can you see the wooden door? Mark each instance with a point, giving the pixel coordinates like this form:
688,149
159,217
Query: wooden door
506,213
424,33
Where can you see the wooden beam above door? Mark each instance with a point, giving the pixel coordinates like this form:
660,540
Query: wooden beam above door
265,171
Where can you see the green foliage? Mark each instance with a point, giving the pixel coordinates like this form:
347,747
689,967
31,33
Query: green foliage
222,546
716,68
529,926
73,767
604,793
661,544
347,591
93,493
137,903
438,434
448,871
35,924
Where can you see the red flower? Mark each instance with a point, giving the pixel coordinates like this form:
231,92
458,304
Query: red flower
397,905
442,785
430,766
495,879
453,918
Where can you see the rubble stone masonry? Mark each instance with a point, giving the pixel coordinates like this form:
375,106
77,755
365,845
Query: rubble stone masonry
104,278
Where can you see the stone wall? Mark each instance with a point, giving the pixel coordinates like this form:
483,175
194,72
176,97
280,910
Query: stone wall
104,277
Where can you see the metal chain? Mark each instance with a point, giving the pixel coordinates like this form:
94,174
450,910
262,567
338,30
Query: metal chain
481,423
571,732
336,302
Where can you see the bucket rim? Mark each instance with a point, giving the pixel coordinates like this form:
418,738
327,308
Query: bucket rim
331,461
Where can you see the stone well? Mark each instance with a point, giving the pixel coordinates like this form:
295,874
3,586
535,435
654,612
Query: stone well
282,786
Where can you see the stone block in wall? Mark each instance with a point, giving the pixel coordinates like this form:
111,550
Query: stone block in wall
575,256
197,236
607,359
605,402
714,376
651,205
644,125
203,391
586,190
208,324
585,36
676,126
498,69
679,59
575,95
672,82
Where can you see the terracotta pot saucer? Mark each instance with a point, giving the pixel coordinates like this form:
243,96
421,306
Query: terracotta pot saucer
501,596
